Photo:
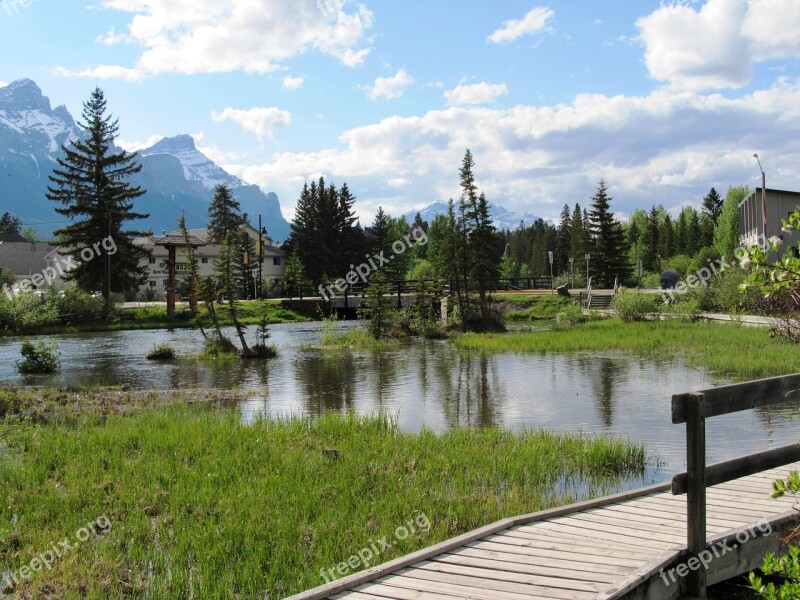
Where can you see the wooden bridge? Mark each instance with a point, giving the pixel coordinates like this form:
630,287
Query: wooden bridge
647,543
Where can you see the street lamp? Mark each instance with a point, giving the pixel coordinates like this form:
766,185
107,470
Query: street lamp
261,231
763,195
571,273
588,256
550,258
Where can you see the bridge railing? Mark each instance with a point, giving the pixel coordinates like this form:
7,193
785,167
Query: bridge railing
693,409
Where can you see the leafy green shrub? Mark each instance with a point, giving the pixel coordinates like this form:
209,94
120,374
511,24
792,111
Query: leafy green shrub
26,312
73,305
631,305
651,281
219,347
685,309
571,315
161,352
39,357
10,402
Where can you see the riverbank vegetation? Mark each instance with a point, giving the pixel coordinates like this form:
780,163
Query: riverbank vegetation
198,501
76,311
726,349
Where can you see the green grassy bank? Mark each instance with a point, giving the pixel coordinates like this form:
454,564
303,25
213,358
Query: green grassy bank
727,349
197,501
151,317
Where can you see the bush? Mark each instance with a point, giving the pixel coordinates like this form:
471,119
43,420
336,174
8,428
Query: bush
161,352
73,305
219,347
41,357
634,306
571,315
685,309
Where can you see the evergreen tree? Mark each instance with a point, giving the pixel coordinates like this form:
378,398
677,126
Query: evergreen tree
420,250
9,224
91,184
563,242
680,231
650,242
712,205
579,242
694,234
609,257
249,265
666,242
225,214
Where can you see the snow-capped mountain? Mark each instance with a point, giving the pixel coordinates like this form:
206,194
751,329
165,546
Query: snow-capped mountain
196,165
175,175
501,217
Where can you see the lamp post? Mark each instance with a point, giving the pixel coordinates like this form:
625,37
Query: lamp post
571,273
260,257
588,256
763,195
550,258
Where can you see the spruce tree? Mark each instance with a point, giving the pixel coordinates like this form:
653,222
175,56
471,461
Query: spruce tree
9,224
609,258
225,215
712,205
563,241
91,183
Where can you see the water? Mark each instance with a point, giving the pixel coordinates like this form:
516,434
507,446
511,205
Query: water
428,384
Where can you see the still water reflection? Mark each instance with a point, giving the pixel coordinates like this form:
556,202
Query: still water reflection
428,384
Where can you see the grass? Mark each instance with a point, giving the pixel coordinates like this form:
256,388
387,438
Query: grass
152,317
358,338
535,307
727,349
197,501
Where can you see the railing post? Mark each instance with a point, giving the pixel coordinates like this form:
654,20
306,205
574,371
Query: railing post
696,494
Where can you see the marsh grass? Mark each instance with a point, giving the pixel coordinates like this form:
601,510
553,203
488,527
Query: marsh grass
727,349
198,500
358,338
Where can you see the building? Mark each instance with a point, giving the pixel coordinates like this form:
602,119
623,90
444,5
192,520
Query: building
779,204
24,259
157,270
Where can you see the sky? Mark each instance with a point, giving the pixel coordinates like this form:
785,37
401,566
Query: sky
660,99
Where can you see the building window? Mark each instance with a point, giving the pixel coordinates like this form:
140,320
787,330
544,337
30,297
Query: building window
152,260
152,284
165,283
276,261
204,260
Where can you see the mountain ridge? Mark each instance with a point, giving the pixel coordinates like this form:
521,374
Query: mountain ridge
176,176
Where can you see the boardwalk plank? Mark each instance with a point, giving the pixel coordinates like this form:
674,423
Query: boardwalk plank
595,550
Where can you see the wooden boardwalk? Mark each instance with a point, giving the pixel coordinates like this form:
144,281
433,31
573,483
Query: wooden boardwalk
621,546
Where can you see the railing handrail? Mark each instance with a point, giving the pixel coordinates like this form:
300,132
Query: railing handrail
693,409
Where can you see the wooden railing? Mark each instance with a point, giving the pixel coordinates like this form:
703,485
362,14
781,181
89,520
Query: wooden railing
693,409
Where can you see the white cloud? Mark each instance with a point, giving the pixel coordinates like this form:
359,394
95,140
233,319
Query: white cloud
533,22
392,87
718,45
215,153
262,120
476,93
111,38
3,84
292,83
255,36
666,147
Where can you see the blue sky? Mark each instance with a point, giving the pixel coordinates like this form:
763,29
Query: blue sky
662,99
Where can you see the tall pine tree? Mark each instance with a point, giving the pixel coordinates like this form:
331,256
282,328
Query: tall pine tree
609,259
224,213
91,185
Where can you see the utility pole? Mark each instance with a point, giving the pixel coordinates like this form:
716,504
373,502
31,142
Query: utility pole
260,257
763,196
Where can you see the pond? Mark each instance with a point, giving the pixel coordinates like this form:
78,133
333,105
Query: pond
428,384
